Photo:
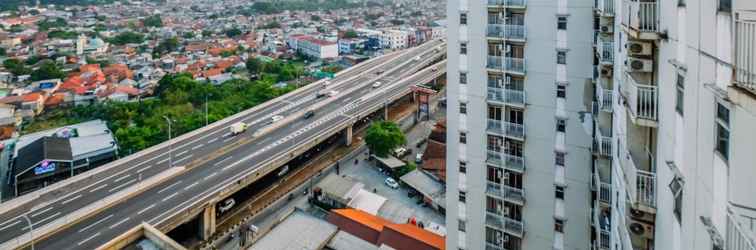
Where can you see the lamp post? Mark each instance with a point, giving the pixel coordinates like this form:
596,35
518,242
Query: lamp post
26,216
170,144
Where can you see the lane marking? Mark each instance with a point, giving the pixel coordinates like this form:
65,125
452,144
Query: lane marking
226,134
228,139
146,208
170,196
122,178
98,188
212,140
72,199
118,223
221,161
122,185
42,220
209,176
181,153
41,212
87,239
95,223
10,225
198,146
168,187
185,158
162,161
144,168
190,186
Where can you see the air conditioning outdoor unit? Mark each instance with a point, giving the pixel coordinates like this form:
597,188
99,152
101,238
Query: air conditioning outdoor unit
639,48
607,72
608,28
639,65
642,230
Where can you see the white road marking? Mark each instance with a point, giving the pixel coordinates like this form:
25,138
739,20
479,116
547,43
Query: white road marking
118,223
72,199
122,178
190,186
170,196
144,168
226,134
162,161
87,239
209,176
212,140
185,158
168,187
221,161
98,188
49,217
41,212
122,185
198,146
95,223
181,153
145,209
228,139
10,225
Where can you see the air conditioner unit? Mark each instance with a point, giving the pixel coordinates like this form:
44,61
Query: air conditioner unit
639,65
607,28
642,230
638,215
639,48
607,72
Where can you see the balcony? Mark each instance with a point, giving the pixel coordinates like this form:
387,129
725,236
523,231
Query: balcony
503,223
507,129
641,101
507,3
640,180
603,228
745,53
605,49
641,19
507,193
506,96
604,7
604,97
737,237
506,161
506,31
508,64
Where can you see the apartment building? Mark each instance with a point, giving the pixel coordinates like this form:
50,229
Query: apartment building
675,112
519,124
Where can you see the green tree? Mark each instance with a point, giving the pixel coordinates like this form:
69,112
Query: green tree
167,46
315,18
350,34
206,33
409,167
254,66
46,25
382,137
48,70
153,21
126,38
233,32
16,67
3,52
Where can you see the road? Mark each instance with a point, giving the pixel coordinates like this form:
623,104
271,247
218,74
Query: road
211,170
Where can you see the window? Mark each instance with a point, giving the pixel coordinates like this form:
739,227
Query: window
559,225
723,131
461,225
561,57
679,101
561,126
676,187
462,78
463,48
462,137
462,196
559,194
725,5
462,167
561,91
562,23
463,18
462,108
559,159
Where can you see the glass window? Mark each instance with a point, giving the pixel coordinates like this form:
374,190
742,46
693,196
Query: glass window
559,225
680,94
723,114
462,78
723,141
463,18
561,126
559,194
725,5
562,23
462,167
561,57
463,48
462,108
559,159
561,91
462,137
676,187
462,196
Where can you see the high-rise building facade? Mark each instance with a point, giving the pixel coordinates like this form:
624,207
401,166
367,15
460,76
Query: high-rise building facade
605,124
519,129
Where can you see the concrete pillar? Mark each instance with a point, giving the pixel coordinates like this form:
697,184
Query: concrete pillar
385,112
348,135
207,225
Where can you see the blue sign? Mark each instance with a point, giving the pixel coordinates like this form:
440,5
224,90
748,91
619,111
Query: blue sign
46,85
45,167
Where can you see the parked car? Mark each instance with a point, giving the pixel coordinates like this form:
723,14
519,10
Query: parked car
391,183
400,152
227,205
419,158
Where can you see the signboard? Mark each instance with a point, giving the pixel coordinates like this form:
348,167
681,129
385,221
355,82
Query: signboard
45,167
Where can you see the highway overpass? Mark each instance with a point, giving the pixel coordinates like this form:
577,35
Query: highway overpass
209,164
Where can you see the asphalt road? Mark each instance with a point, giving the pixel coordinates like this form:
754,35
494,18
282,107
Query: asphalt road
156,203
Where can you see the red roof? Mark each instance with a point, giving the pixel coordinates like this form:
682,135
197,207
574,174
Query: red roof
33,97
398,236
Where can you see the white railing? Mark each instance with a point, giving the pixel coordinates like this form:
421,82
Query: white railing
504,223
509,3
745,53
641,98
506,95
514,31
506,128
737,238
605,6
502,191
604,97
603,145
605,239
512,64
605,193
642,16
641,183
606,50
505,160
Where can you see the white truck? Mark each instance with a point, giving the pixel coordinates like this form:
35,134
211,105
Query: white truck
238,128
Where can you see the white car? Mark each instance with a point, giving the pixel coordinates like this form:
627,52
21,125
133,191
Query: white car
377,84
399,152
391,183
333,93
276,118
227,205
419,158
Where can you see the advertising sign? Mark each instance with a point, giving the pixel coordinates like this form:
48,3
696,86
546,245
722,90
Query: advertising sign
45,167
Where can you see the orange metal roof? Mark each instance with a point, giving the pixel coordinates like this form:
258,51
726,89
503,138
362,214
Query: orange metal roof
420,234
364,218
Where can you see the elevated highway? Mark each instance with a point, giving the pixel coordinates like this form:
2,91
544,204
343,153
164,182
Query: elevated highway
209,164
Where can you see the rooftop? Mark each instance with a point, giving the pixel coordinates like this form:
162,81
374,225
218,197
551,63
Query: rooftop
299,231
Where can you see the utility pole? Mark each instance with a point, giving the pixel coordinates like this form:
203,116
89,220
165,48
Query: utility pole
26,216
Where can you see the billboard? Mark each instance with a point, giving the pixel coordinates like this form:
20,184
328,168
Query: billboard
45,167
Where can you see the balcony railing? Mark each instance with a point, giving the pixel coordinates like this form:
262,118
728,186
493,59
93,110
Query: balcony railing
745,53
641,98
606,50
605,193
737,237
605,7
505,224
507,96
641,184
505,160
506,31
604,97
511,64
641,16
508,3
605,239
501,191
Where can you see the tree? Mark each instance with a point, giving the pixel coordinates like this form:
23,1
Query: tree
350,34
167,46
206,33
126,38
233,32
3,52
253,66
153,21
48,70
315,18
409,167
16,67
382,137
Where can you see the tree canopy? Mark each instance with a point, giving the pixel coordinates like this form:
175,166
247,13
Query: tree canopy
153,21
350,34
233,32
48,70
126,38
167,46
16,67
384,136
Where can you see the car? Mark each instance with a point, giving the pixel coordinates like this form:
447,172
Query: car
377,84
333,93
419,158
400,151
226,205
309,114
417,58
320,94
276,118
391,183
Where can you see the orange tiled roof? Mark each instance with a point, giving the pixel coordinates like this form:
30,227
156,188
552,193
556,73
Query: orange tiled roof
369,220
32,97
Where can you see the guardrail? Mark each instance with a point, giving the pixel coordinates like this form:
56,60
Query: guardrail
641,183
505,160
641,16
641,98
505,128
512,64
736,237
745,52
606,7
503,223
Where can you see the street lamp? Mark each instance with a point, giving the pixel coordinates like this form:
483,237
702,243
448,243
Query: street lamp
26,216
170,144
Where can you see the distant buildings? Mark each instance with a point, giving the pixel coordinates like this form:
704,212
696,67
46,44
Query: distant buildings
313,47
